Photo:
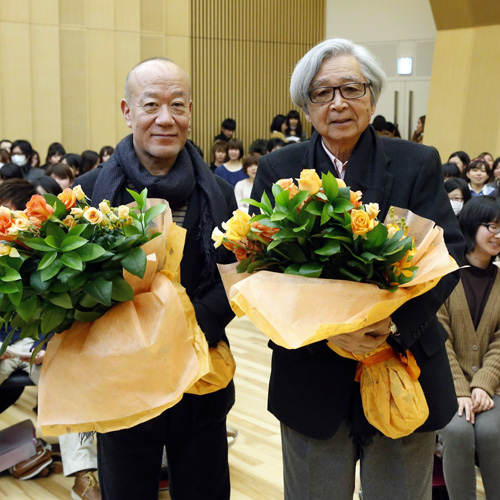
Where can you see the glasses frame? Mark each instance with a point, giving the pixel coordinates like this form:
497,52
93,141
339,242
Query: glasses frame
488,224
339,88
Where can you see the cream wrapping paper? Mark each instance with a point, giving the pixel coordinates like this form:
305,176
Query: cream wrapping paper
138,359
295,311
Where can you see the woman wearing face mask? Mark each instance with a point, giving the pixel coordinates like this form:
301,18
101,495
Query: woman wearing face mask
458,193
21,155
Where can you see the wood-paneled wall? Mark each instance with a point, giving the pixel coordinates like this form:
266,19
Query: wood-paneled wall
63,64
464,107
244,52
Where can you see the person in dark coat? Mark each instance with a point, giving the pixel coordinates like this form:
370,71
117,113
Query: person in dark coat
157,156
312,389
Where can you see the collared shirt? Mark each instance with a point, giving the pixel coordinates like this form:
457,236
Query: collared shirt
339,166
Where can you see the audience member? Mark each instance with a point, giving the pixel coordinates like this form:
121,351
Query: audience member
55,153
495,183
62,173
294,132
105,153
10,171
418,135
244,187
488,157
15,193
259,146
379,124
75,162
6,144
90,160
232,170
218,154
227,128
4,157
471,317
458,193
479,173
278,127
274,144
48,184
461,160
450,170
21,155
392,130
35,160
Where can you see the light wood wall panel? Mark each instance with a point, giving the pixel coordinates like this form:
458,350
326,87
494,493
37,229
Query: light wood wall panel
463,106
243,55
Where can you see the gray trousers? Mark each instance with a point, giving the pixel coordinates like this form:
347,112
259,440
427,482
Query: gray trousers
396,469
462,440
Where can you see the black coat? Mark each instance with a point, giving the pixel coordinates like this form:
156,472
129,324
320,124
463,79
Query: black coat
311,387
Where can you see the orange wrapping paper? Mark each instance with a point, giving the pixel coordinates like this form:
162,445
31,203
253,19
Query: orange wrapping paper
137,360
301,311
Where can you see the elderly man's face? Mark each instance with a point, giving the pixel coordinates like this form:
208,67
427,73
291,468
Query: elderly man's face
158,113
341,121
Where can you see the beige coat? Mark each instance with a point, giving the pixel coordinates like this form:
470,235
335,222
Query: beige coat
474,355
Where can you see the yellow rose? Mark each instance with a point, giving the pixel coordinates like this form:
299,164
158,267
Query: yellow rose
217,237
112,217
104,221
13,230
5,212
22,223
104,207
69,221
78,192
8,250
19,214
93,215
77,213
123,212
309,181
129,221
361,222
372,210
237,226
340,183
392,229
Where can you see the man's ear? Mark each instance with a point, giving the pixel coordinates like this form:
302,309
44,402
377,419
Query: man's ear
308,118
126,112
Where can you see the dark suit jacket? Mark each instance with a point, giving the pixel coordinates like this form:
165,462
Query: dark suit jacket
311,387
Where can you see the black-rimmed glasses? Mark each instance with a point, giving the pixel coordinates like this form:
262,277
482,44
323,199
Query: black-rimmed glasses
492,227
353,90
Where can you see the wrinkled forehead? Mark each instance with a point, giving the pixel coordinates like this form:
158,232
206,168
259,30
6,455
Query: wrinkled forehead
158,76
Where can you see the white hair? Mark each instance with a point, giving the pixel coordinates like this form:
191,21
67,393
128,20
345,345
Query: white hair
307,68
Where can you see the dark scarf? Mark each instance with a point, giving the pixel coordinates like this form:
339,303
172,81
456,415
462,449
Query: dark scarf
188,173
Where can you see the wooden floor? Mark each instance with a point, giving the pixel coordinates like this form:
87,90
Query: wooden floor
255,458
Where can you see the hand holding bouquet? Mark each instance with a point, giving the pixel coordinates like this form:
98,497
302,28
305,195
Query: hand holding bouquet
62,260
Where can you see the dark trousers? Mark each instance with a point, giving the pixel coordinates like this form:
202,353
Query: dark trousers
194,434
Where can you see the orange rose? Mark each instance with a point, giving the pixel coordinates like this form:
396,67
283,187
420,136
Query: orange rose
5,224
288,185
68,198
265,232
361,222
69,222
241,253
37,207
356,198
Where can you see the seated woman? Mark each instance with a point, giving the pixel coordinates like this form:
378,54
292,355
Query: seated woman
294,132
471,316
458,193
479,172
232,170
244,187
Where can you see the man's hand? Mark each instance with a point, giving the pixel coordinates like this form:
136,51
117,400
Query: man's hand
481,400
467,405
364,340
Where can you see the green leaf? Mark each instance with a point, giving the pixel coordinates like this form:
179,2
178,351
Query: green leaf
137,197
350,275
58,206
298,199
87,315
330,248
72,260
51,242
122,291
153,212
47,259
10,274
72,243
76,281
326,214
330,186
90,251
67,274
279,216
315,207
8,287
61,299
77,230
341,205
7,340
100,290
52,317
135,262
50,271
57,286
87,301
130,230
377,236
310,270
282,199
144,197
27,308
54,230
37,283
38,244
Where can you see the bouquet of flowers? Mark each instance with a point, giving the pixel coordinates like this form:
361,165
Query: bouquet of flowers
338,269
62,260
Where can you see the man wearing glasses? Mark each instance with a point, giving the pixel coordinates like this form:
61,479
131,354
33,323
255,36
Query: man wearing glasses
312,390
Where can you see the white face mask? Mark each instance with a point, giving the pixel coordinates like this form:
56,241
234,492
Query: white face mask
19,160
457,206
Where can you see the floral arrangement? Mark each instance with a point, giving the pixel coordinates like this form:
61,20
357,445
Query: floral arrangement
62,260
320,229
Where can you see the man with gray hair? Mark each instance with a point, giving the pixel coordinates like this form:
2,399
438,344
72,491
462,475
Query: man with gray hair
157,107
312,389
